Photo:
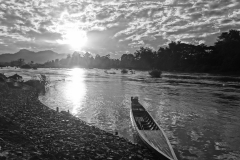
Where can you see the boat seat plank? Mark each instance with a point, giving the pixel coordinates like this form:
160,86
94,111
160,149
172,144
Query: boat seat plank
143,125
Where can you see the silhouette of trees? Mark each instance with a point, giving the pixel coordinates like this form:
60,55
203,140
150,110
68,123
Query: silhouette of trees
18,62
88,59
21,61
84,60
144,58
228,49
224,55
127,60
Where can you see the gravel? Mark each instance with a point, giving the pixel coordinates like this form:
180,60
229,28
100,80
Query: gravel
30,130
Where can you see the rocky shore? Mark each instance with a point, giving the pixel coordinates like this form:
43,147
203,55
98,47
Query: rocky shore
32,131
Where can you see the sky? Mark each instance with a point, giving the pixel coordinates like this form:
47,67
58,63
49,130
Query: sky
112,27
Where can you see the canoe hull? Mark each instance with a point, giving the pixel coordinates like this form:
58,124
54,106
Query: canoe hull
141,141
150,133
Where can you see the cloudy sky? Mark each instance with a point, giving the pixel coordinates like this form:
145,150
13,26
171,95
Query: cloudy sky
112,26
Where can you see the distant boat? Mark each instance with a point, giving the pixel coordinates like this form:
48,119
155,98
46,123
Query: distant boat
124,71
155,73
150,132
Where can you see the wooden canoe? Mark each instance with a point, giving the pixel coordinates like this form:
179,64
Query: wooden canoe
149,131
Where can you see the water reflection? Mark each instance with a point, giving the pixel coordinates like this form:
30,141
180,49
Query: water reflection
76,89
200,117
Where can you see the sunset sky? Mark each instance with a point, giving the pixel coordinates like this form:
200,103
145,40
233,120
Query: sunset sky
112,27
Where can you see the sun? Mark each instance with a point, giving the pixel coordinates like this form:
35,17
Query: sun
76,38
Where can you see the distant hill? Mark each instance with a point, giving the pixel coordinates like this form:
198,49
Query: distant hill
37,57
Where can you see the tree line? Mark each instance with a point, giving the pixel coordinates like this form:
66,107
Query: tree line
223,56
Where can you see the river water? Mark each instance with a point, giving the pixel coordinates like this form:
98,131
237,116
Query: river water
198,112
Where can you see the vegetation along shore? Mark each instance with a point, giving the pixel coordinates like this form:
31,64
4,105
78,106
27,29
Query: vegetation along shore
222,57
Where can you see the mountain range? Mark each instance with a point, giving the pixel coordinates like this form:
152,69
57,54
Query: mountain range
37,57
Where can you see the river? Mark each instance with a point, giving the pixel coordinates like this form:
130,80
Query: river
198,112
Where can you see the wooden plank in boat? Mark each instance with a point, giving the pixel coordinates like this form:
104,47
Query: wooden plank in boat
157,139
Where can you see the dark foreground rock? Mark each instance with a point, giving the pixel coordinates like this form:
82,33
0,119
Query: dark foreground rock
31,130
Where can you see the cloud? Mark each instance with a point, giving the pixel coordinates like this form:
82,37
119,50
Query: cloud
219,4
196,16
114,26
224,21
216,13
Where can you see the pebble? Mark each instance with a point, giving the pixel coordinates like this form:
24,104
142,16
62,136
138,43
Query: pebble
38,132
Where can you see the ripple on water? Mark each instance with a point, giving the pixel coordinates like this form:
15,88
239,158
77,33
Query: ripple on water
199,112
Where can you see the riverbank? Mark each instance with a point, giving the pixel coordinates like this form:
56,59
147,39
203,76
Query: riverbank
31,130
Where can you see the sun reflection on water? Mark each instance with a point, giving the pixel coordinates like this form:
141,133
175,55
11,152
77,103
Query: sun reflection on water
76,89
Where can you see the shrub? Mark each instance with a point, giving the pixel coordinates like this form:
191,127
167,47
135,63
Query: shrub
124,71
16,77
2,77
39,82
26,66
155,73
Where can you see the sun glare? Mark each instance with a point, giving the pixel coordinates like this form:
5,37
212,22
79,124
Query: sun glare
75,38
76,90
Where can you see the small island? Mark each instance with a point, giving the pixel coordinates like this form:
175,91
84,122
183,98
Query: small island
155,73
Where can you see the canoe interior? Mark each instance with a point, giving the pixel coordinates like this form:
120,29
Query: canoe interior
143,120
150,132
